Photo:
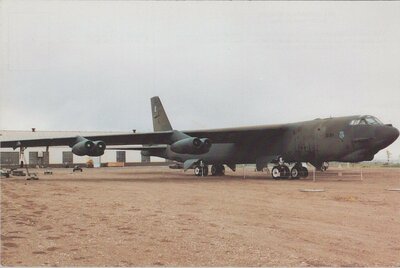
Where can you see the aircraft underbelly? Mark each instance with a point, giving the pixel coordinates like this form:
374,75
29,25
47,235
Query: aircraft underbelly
219,153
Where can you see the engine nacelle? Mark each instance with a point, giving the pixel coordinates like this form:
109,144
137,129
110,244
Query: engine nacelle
191,145
87,147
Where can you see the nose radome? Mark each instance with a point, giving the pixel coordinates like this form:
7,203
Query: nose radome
386,135
395,134
392,134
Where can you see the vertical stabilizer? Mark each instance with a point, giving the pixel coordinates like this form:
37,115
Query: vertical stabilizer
160,119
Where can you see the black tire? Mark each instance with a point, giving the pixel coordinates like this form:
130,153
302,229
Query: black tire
197,171
295,173
285,172
217,170
304,172
214,170
276,173
205,171
222,171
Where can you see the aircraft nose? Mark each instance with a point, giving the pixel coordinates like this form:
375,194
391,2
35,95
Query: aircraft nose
395,133
387,135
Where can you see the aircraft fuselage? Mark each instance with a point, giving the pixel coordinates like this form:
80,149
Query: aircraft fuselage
315,141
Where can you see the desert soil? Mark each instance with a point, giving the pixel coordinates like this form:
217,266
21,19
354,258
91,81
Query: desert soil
154,216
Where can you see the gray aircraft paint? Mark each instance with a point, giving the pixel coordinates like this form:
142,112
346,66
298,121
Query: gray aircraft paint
315,141
160,119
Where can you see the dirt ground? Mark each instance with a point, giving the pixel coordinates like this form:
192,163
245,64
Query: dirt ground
154,216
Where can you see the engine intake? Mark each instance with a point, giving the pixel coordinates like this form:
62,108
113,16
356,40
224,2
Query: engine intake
99,148
191,145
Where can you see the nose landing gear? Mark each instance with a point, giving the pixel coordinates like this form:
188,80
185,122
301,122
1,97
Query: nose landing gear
324,166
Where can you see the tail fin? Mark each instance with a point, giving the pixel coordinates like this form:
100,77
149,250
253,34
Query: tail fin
160,119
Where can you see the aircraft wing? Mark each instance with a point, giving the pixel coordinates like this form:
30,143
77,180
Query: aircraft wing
240,135
161,137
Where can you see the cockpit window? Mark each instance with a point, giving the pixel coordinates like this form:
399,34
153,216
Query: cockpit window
373,120
366,120
355,122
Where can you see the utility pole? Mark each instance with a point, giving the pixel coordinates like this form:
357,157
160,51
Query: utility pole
388,154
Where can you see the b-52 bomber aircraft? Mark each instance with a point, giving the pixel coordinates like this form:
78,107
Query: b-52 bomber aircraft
286,146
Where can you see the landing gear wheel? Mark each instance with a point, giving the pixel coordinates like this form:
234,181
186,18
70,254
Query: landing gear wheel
304,172
205,170
276,174
197,171
295,172
222,170
285,172
201,171
217,170
214,170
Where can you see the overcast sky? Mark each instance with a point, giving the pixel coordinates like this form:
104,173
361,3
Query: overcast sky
93,65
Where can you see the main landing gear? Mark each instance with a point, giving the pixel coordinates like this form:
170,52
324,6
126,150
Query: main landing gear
282,171
202,170
217,170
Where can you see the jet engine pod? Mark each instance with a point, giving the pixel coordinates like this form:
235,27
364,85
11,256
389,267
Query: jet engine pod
84,147
88,147
206,143
191,145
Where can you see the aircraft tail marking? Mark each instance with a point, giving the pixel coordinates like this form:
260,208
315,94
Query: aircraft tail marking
160,119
